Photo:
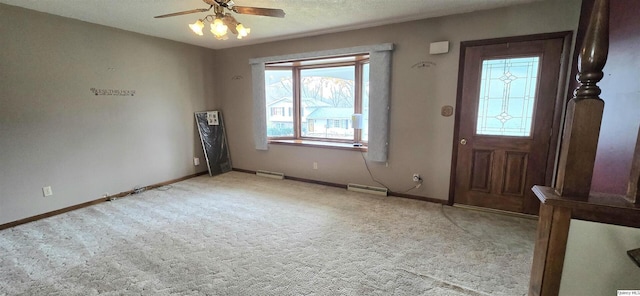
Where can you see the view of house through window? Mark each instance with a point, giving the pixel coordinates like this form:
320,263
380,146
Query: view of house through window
278,88
315,99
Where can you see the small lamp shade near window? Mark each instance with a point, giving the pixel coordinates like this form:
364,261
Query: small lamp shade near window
356,121
356,124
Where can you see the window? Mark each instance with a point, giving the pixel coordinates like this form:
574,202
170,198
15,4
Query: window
376,93
507,96
277,111
278,86
320,95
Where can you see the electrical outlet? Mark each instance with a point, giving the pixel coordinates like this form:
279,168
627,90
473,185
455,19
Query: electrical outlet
315,165
47,191
196,161
416,177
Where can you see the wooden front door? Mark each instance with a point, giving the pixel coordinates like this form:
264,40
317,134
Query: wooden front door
505,121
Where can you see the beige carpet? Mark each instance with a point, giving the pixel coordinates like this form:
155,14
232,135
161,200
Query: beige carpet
239,234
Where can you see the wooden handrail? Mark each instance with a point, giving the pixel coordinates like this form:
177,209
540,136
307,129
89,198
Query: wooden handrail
571,196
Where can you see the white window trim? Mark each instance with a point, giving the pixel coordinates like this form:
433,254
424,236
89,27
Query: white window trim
379,93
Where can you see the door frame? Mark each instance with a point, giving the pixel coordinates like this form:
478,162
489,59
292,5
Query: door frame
559,108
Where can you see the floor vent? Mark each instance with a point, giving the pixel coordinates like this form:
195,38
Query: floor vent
273,175
367,189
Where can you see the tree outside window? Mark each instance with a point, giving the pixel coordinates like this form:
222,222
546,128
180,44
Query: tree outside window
320,97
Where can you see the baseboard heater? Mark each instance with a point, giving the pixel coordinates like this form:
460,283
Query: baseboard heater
367,189
272,175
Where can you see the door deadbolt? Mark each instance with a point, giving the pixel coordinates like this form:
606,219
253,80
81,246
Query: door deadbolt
463,142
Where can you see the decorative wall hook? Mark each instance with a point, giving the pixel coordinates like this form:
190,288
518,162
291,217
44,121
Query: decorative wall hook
423,64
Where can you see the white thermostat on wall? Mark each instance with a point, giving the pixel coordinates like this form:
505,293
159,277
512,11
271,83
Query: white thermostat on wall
439,47
212,118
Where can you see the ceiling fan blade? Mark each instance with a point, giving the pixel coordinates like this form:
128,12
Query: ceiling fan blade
184,12
259,11
231,23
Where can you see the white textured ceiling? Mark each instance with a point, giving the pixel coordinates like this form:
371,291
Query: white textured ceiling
303,17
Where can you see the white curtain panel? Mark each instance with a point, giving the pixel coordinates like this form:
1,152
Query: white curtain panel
259,107
379,93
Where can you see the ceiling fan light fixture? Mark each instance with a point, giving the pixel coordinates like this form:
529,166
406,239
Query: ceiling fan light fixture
222,22
197,27
242,31
223,37
219,29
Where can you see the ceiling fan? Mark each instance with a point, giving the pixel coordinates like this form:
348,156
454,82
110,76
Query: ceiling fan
221,21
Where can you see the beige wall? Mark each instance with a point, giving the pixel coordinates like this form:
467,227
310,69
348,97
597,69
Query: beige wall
596,262
54,131
420,139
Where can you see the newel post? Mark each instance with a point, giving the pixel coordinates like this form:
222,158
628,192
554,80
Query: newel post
584,110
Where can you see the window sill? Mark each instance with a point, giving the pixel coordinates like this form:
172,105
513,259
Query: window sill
320,144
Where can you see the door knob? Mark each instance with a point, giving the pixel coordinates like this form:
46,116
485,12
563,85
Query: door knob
463,141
